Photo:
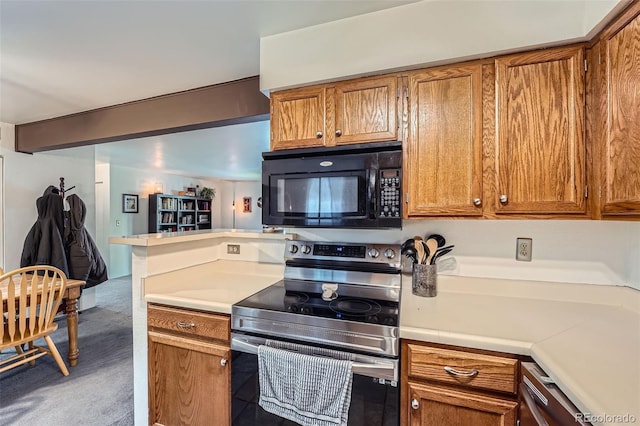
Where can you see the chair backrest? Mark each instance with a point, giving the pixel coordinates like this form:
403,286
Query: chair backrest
31,297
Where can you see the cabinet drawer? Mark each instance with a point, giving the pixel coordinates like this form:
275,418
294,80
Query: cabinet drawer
189,323
463,368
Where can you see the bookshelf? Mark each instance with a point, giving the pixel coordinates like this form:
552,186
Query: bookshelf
173,213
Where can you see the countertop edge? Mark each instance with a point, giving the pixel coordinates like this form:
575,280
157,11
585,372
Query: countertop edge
164,238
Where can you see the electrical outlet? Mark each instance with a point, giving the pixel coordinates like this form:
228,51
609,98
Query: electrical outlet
233,248
523,249
117,223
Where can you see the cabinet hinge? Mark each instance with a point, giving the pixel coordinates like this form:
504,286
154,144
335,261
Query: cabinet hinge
398,93
586,191
585,65
599,59
406,92
406,197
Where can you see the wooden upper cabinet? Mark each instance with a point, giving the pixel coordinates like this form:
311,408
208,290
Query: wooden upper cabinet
619,159
297,118
354,111
540,146
444,144
366,110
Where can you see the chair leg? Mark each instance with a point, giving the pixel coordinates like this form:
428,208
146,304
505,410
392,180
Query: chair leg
19,350
32,362
56,355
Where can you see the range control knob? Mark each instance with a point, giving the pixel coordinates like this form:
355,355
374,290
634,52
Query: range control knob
293,249
306,249
389,253
373,253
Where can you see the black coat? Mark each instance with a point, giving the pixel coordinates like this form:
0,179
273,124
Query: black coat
85,261
44,244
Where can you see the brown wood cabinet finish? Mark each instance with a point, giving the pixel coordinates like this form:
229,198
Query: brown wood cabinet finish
354,111
617,113
297,118
444,143
441,406
189,362
491,372
540,149
366,110
433,395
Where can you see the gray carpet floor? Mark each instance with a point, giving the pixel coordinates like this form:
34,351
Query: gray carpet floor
99,390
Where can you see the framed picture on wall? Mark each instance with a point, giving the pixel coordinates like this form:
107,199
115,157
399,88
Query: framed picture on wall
246,208
129,203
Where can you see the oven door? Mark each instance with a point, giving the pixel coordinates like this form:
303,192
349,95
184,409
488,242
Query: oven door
375,393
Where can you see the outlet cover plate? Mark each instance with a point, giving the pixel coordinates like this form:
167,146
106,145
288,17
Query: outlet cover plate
523,249
233,248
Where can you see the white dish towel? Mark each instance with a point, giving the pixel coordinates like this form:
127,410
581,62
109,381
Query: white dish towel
308,389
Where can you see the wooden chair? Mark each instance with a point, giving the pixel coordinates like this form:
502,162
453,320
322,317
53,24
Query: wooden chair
30,297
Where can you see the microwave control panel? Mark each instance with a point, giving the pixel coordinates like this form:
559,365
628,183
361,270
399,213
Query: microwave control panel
390,200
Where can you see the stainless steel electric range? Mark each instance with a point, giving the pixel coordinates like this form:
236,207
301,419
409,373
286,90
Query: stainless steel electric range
340,296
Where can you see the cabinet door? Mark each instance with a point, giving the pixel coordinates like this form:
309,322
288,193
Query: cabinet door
189,381
540,148
620,155
297,118
444,146
366,110
429,405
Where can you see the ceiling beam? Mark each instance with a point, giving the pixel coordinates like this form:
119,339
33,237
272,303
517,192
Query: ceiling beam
223,104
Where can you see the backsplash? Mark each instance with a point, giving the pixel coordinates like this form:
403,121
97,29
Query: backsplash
576,251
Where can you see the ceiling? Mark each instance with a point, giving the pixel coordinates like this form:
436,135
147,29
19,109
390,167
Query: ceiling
59,57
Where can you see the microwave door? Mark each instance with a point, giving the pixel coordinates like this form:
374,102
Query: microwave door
341,196
298,197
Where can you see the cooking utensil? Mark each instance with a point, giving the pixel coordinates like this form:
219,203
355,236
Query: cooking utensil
439,238
432,247
411,254
410,243
427,252
419,247
440,253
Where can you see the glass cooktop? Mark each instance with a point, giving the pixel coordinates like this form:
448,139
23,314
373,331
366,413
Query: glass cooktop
277,298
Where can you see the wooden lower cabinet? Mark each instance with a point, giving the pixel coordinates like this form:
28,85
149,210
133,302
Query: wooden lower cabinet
189,376
451,386
446,406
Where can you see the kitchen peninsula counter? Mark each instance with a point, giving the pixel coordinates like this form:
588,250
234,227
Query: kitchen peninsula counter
212,287
208,269
586,337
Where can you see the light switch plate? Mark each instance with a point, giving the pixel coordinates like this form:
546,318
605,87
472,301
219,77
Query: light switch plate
523,249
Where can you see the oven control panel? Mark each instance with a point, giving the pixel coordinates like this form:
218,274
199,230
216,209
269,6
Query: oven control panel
388,254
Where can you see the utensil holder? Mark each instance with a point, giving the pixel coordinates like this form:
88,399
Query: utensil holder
424,280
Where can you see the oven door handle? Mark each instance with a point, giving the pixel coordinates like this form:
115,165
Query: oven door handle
385,366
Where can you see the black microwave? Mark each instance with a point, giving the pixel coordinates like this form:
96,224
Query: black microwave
350,186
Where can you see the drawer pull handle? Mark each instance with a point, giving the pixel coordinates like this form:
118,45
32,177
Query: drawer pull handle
223,362
459,373
415,404
183,324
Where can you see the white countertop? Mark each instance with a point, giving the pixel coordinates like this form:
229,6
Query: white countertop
162,238
213,286
586,337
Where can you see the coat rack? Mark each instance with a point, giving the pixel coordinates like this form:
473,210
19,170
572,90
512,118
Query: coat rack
62,190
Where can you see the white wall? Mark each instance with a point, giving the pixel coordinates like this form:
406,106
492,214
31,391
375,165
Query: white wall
26,178
597,252
420,34
125,180
241,189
